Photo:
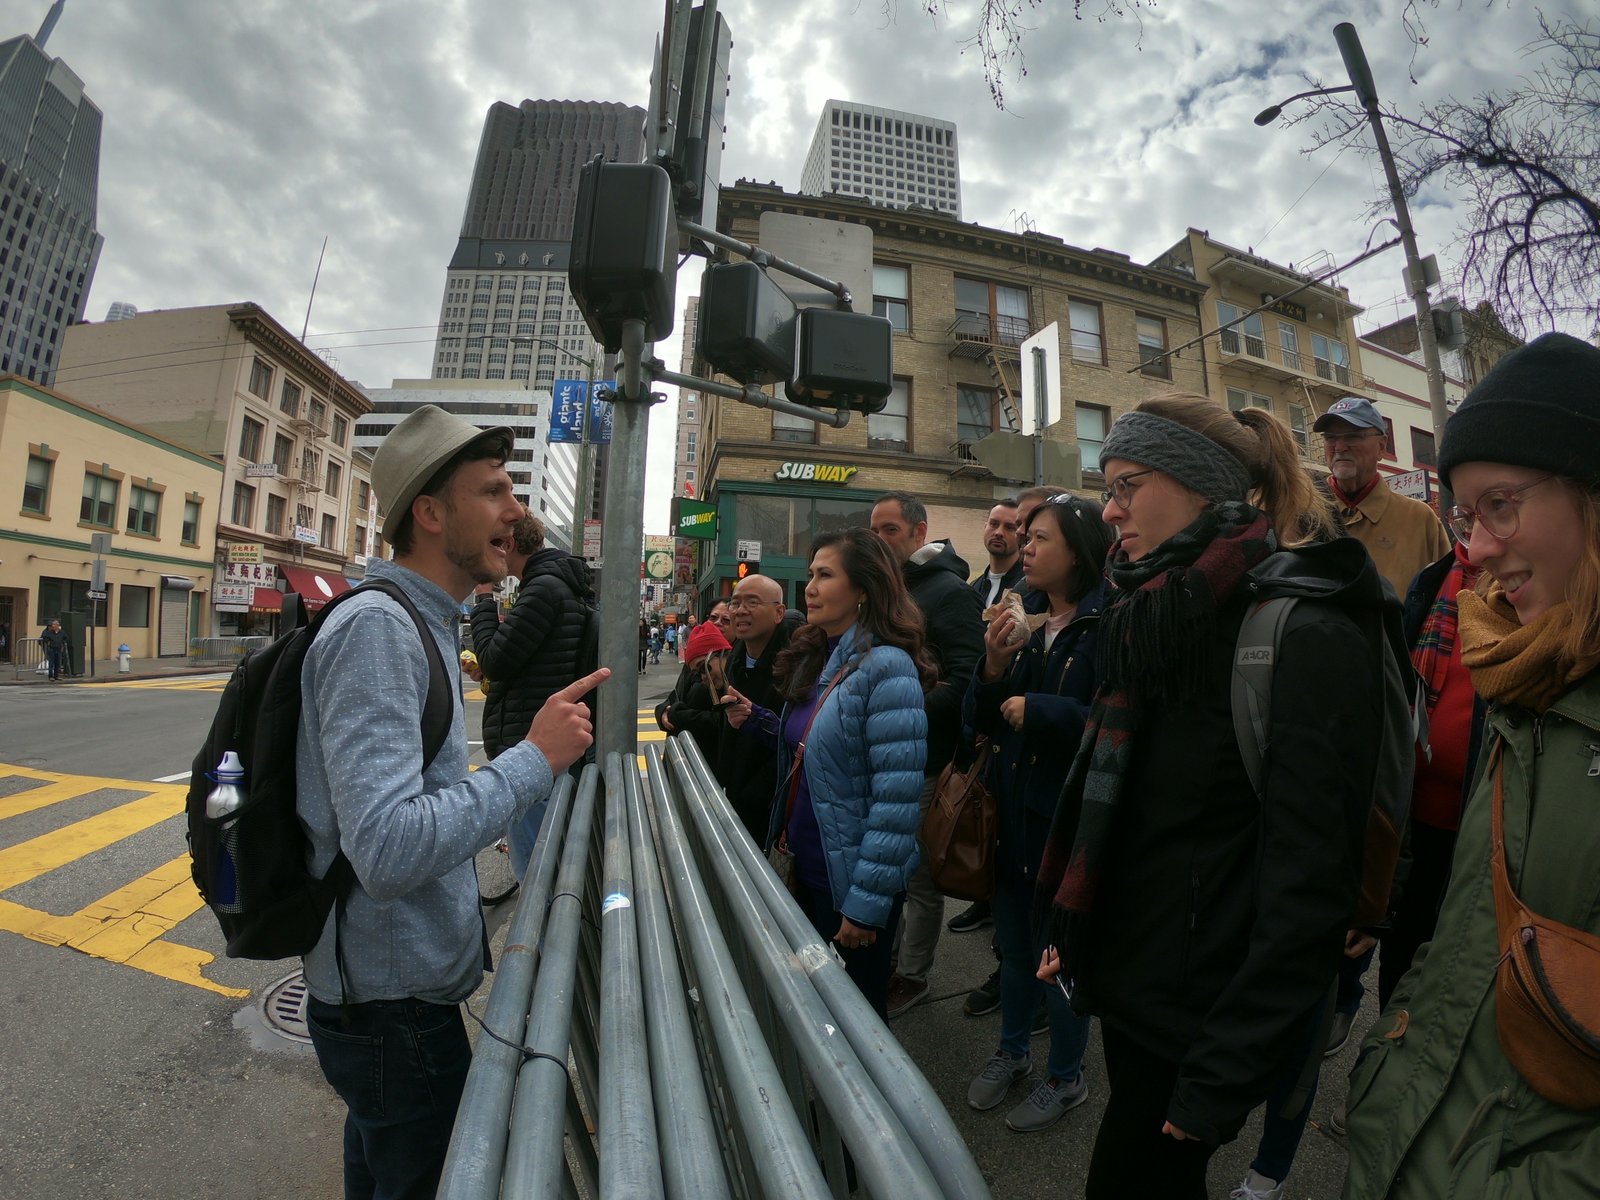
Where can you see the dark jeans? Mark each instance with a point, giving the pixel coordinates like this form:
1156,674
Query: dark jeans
399,1066
1281,1129
57,661
1131,1154
1020,990
1418,911
870,966
1351,987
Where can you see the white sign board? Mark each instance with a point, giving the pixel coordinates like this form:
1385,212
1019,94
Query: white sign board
1410,483
304,534
261,470
833,249
591,542
749,551
232,594
251,574
1042,349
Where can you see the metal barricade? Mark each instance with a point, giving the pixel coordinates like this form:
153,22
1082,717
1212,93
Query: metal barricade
26,655
224,651
666,1022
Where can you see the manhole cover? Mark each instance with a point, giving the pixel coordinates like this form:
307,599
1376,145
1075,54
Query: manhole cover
284,1007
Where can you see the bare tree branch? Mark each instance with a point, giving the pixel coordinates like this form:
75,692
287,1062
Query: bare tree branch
1526,162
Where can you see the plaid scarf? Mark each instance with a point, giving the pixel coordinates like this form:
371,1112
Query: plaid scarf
1154,644
1437,640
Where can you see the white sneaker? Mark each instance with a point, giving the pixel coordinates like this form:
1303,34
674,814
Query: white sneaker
1257,1187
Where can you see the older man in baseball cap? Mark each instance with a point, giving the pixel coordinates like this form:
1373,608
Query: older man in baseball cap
1402,535
406,943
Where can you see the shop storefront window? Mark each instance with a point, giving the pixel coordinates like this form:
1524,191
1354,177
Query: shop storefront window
833,515
779,523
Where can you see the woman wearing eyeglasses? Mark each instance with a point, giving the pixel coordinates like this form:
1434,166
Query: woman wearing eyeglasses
1030,697
1482,1078
1203,925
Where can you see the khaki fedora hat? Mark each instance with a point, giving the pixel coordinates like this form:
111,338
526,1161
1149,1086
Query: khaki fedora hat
413,450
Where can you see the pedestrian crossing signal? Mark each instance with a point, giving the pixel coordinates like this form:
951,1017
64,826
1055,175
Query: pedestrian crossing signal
747,567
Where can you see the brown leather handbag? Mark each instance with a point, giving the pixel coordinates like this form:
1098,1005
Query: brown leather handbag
1547,986
961,829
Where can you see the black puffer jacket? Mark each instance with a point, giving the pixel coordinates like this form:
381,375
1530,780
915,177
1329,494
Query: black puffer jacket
1219,921
745,767
536,651
952,617
689,703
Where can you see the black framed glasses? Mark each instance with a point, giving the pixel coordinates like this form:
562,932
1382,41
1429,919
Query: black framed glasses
738,603
1120,490
1499,509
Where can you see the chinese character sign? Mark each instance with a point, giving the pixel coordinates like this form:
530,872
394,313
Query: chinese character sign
566,413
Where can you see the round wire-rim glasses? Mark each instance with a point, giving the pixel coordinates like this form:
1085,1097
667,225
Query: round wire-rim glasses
1498,508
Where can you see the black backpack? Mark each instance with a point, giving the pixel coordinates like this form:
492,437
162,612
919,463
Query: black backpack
280,908
1404,729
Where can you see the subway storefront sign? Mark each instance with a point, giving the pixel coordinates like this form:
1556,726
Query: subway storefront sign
814,472
694,518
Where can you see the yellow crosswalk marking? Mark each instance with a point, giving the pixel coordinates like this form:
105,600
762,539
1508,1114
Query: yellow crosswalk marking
34,799
30,859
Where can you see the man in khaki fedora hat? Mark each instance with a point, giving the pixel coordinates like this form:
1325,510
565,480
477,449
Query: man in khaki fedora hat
407,944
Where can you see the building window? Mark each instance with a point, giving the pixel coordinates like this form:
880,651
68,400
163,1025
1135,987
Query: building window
1153,360
1330,358
786,428
1289,345
335,478
36,485
1388,439
303,516
276,506
1239,400
1092,422
341,430
191,522
1422,451
144,510
328,530
363,495
289,399
361,539
891,295
317,414
133,607
99,501
991,312
60,596
250,440
1088,346
979,413
1299,426
891,428
260,378
1247,336
244,505
282,453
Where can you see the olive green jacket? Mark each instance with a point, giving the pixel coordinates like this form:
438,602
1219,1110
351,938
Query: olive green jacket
1435,1109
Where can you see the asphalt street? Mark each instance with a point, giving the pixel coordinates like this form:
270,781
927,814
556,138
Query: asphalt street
139,1066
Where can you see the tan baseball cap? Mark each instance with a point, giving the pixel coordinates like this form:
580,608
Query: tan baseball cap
412,451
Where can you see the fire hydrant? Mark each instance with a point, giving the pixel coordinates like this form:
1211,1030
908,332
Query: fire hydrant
123,665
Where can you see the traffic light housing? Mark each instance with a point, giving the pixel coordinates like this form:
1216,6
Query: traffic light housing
746,568
842,360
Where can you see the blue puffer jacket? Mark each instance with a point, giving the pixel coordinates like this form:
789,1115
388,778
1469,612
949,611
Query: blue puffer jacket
864,759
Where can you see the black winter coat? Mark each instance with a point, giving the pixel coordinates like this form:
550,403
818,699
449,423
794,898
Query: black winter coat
747,769
1030,764
952,618
1220,921
1011,581
690,702
536,651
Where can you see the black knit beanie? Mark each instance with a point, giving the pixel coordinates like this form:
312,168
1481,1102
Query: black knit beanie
1539,408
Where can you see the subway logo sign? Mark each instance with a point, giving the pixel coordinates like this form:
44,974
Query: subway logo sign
815,472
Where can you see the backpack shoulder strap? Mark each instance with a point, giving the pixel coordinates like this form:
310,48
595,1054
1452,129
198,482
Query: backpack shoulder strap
438,710
1254,657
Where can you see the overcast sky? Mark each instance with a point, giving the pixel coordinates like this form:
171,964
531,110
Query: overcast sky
238,134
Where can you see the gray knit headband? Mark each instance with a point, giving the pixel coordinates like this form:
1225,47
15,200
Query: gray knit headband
1191,458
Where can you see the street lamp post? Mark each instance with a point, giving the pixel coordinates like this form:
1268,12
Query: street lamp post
1361,83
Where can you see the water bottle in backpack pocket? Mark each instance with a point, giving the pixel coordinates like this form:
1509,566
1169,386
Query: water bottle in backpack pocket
222,805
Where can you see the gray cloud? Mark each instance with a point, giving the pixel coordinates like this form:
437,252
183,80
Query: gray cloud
237,136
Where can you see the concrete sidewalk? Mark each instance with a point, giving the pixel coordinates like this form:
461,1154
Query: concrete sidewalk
106,671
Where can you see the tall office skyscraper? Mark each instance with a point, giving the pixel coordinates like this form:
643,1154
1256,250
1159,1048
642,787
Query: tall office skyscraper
49,180
885,156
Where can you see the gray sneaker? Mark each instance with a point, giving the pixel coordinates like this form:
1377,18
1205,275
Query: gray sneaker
1047,1103
996,1078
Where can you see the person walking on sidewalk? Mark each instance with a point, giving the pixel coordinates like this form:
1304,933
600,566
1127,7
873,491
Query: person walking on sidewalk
54,640
936,577
1032,702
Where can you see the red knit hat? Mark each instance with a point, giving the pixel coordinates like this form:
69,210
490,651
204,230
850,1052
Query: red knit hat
704,639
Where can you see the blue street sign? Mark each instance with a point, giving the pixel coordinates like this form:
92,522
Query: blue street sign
600,413
566,414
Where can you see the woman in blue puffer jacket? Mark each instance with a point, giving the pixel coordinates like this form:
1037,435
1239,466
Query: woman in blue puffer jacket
852,746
